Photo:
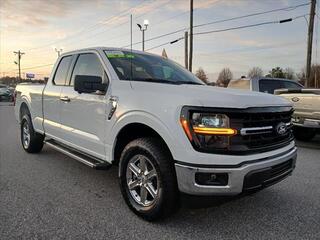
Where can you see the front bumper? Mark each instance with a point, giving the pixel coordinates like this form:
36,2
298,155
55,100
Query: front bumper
306,122
246,176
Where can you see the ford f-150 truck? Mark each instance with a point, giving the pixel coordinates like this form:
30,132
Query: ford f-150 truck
166,130
306,117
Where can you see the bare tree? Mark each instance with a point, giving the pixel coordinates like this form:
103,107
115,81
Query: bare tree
302,76
224,77
289,73
255,72
200,73
314,76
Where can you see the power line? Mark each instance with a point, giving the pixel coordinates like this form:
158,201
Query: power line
107,30
143,14
235,28
250,25
209,23
290,8
254,14
163,44
40,66
159,36
154,24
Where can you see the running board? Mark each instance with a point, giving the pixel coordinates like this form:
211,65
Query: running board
79,156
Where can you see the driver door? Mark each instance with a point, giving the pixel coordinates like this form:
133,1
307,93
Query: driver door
83,116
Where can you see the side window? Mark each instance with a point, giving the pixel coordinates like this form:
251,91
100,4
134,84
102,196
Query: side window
62,71
88,64
291,85
268,86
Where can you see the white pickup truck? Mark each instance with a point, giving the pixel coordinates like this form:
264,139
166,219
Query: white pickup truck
167,131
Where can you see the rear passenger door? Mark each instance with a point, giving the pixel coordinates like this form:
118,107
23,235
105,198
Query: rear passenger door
51,98
83,116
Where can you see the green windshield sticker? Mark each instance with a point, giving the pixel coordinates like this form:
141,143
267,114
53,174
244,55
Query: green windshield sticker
117,54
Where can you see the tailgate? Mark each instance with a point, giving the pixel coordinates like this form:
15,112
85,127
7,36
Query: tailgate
306,103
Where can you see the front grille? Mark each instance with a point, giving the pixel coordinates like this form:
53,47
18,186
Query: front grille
267,176
257,130
261,130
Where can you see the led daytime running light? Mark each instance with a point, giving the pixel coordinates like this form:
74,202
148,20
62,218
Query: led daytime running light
214,131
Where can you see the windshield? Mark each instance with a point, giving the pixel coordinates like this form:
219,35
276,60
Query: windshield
149,68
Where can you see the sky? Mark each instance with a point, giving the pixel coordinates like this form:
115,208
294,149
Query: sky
36,27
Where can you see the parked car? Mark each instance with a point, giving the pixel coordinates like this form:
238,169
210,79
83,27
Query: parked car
306,117
264,84
166,129
5,93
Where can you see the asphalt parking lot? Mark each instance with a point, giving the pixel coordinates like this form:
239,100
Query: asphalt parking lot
51,196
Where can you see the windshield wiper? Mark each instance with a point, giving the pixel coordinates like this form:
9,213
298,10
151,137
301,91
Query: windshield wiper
188,82
155,80
161,80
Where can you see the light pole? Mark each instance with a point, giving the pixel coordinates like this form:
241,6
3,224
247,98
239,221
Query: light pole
143,29
58,51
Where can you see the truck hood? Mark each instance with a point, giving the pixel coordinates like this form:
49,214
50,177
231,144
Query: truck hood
208,96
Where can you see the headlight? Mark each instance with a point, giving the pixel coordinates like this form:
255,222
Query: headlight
207,131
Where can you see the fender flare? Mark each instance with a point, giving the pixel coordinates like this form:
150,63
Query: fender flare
145,118
24,100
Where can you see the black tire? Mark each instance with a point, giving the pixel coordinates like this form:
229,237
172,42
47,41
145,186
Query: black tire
35,142
166,201
304,134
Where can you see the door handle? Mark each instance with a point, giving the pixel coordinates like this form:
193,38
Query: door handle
65,99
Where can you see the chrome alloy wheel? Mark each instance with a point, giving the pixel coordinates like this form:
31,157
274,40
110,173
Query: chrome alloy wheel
26,134
142,180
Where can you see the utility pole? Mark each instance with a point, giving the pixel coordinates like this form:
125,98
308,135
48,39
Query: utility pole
310,38
191,35
186,49
19,53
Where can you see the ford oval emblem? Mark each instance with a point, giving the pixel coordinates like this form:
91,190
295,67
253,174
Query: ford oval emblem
281,128
295,99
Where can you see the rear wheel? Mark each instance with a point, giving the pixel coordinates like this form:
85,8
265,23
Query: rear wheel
31,141
304,134
148,180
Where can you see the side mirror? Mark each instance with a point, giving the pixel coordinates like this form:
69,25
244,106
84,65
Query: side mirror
89,84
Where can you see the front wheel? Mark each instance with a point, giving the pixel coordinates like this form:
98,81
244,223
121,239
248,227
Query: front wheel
147,179
32,142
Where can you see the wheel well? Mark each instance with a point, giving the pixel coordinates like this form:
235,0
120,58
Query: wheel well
131,132
23,109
